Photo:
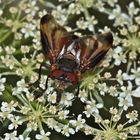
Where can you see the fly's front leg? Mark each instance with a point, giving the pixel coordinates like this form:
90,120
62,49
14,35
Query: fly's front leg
47,66
40,91
46,84
78,89
40,72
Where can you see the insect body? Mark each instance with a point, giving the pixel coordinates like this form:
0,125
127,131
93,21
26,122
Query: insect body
70,55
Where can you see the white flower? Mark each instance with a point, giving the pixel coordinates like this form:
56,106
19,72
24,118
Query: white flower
92,108
5,114
123,136
79,123
15,122
22,138
52,109
112,2
119,77
113,91
136,92
21,83
22,86
102,88
60,14
137,19
105,29
66,99
75,8
42,13
113,110
125,96
52,97
8,60
123,76
83,95
6,110
2,87
1,12
81,24
30,96
32,125
127,77
119,58
115,13
88,130
132,9
32,8
136,75
9,50
53,124
100,6
25,109
40,57
43,136
138,1
132,116
63,114
125,102
11,136
116,117
91,21
24,61
127,91
119,16
8,106
133,130
66,130
28,30
25,49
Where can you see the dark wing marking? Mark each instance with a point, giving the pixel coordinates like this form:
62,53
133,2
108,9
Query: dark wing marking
93,50
53,37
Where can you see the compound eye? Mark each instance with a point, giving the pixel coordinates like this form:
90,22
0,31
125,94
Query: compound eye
56,74
71,77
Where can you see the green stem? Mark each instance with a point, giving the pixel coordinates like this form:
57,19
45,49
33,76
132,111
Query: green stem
132,137
8,96
40,126
8,73
5,36
135,125
26,133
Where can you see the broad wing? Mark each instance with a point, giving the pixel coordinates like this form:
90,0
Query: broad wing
53,37
93,50
89,50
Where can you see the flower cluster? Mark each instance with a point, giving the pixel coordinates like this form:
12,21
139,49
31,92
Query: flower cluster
107,106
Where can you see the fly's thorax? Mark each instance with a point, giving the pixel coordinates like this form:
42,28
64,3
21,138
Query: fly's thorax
68,63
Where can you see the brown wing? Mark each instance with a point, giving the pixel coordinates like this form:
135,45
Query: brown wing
53,37
93,50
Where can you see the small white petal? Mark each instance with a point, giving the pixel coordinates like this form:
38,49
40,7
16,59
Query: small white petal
99,105
11,126
136,93
39,137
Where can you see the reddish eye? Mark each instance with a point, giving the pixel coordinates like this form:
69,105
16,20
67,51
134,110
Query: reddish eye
57,73
71,77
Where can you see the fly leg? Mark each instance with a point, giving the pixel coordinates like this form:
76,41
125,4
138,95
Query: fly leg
47,66
58,98
78,89
36,83
46,84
